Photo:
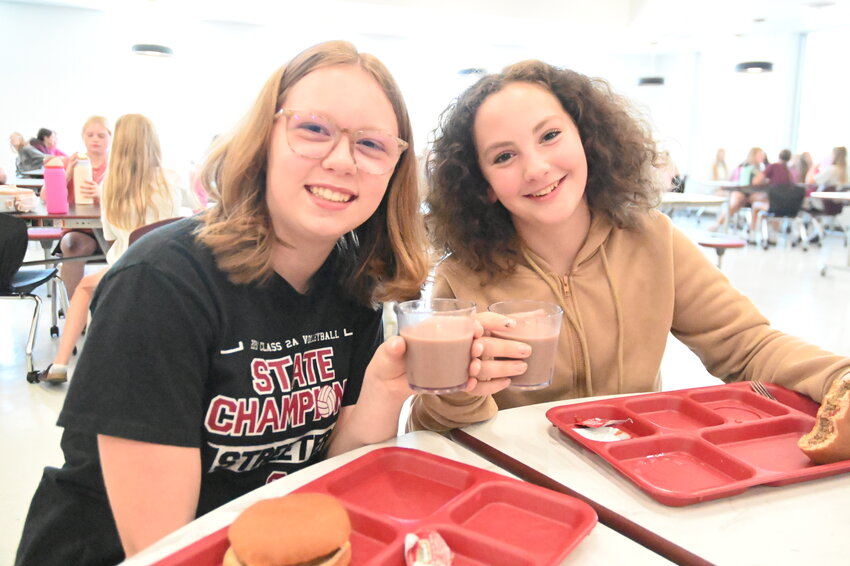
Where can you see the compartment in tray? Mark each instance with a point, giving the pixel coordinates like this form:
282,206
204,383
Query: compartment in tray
528,519
738,405
678,464
369,536
771,445
471,550
405,485
673,412
565,417
468,550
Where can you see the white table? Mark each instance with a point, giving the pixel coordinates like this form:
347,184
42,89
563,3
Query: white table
804,523
840,196
603,547
673,200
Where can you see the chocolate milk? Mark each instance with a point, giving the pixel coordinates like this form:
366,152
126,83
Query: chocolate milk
438,353
541,362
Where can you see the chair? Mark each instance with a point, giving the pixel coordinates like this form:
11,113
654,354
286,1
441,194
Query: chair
48,236
141,231
19,283
720,243
784,202
824,214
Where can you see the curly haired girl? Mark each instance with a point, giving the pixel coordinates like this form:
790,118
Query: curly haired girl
543,188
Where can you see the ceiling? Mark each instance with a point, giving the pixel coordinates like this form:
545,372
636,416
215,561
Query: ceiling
627,26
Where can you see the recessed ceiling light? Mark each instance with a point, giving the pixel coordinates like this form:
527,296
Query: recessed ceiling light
152,50
754,67
650,81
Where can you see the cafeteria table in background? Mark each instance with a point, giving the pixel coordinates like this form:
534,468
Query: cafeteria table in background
678,200
28,183
78,217
800,523
602,547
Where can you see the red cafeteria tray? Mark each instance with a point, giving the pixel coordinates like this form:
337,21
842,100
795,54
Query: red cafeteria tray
487,519
704,443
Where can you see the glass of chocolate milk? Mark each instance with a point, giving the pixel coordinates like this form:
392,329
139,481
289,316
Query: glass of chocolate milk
438,333
538,325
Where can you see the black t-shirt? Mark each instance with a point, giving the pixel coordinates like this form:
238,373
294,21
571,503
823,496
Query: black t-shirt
253,375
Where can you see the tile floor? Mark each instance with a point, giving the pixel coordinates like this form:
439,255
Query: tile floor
784,283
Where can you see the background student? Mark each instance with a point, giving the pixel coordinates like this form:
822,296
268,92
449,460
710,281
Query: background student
97,137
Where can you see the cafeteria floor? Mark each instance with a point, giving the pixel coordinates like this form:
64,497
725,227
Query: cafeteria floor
784,282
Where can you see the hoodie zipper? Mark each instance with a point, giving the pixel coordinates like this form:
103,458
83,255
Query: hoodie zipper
575,342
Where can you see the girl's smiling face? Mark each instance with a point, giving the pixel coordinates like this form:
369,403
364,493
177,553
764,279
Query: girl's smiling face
320,199
530,152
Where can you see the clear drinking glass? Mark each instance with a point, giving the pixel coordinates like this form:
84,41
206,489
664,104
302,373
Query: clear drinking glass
538,325
438,333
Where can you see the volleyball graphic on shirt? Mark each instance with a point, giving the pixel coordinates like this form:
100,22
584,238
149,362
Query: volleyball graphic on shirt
326,402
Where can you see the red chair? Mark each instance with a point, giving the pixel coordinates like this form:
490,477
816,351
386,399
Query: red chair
141,231
721,243
48,237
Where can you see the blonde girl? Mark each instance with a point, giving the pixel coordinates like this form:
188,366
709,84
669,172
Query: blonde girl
136,191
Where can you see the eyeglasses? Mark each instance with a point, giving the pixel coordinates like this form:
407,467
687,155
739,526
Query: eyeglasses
314,136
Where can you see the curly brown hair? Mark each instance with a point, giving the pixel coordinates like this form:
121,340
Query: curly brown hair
620,155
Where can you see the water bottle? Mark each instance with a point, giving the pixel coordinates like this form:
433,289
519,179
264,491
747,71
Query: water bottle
55,187
82,172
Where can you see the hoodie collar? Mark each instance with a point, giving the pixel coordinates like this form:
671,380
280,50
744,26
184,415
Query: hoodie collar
600,229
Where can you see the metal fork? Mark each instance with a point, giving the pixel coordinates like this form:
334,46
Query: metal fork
759,388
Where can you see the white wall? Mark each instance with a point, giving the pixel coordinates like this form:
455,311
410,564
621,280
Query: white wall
60,65
824,114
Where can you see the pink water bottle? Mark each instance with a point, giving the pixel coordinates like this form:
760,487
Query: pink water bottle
55,187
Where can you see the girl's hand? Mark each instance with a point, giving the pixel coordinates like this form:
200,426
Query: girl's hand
495,360
69,165
90,189
387,367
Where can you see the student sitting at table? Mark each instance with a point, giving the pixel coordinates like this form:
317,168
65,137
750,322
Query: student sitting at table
833,175
749,173
97,136
45,142
542,188
235,347
136,191
28,158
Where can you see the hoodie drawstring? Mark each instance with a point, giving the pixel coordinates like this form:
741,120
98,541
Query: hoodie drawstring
619,313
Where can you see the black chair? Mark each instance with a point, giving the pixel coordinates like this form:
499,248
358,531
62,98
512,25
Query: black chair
784,202
19,283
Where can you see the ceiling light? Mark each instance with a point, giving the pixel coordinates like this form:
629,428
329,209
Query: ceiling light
152,50
472,71
649,81
754,67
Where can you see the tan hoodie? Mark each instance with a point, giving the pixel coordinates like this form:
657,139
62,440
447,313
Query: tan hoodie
627,289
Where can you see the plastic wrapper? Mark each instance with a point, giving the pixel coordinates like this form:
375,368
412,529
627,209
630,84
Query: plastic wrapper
426,548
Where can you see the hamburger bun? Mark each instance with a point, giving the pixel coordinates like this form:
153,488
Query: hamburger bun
829,440
300,529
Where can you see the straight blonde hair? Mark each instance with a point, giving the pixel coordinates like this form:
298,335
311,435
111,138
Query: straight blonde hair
100,121
385,256
135,183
